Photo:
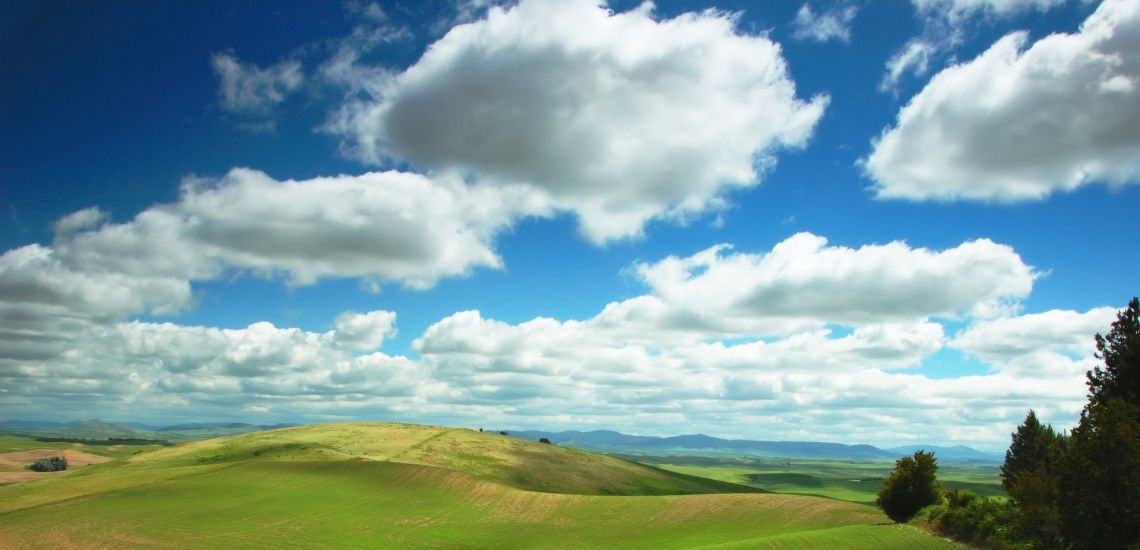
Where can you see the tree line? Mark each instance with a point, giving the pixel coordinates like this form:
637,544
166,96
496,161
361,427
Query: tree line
1066,491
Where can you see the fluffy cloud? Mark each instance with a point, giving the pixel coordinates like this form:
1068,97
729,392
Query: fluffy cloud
686,353
574,359
62,307
248,89
833,24
380,227
1021,123
551,373
804,278
635,120
165,366
1009,338
34,275
364,331
44,301
956,10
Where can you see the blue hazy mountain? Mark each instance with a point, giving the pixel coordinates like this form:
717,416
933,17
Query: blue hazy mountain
704,445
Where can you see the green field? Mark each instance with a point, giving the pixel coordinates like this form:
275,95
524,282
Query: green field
843,480
11,443
391,485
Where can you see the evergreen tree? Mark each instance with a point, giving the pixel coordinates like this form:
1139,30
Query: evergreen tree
1033,447
1100,486
1100,481
911,486
1120,351
1030,474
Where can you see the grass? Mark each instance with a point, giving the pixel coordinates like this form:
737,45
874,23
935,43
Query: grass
383,485
843,480
13,443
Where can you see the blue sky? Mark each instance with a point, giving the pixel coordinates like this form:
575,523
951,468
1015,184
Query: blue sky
863,221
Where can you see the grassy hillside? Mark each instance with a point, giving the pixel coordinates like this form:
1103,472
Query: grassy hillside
515,462
389,485
16,452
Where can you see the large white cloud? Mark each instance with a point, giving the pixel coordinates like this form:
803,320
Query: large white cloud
44,301
574,359
804,278
1009,337
168,367
634,120
648,364
388,227
812,385
686,353
34,275
1021,123
380,227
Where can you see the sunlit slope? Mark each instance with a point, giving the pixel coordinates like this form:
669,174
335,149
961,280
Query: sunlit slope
516,462
366,504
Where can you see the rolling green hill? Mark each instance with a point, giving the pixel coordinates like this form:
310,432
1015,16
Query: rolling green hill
397,485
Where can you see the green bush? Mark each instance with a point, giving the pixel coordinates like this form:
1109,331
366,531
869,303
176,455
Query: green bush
911,487
51,464
983,522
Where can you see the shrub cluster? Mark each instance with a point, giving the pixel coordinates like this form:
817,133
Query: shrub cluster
50,464
982,522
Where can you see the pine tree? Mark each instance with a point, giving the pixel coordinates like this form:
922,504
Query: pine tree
1030,474
1033,447
1120,351
1100,481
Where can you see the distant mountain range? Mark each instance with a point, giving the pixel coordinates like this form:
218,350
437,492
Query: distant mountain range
607,441
100,430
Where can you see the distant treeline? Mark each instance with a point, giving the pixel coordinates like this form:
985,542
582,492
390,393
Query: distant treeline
108,441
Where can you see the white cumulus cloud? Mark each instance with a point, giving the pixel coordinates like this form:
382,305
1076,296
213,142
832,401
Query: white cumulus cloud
380,227
637,119
166,367
1022,121
1057,330
805,278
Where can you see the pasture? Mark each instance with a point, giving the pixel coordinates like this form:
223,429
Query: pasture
844,480
392,485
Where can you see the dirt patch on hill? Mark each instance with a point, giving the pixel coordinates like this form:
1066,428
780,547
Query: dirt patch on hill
19,459
14,463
